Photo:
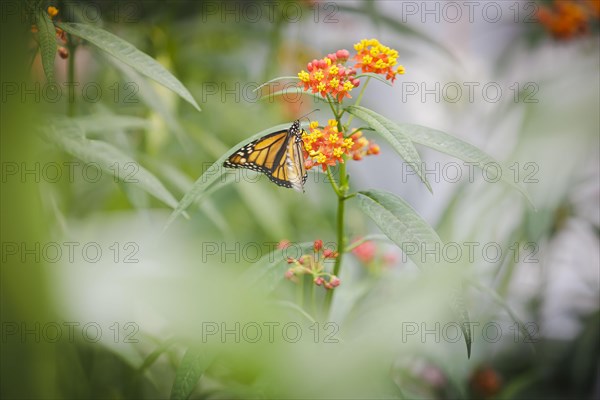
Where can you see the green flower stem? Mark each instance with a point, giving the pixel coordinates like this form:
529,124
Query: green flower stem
300,291
334,185
341,240
313,299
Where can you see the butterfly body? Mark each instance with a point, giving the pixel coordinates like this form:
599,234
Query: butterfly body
278,155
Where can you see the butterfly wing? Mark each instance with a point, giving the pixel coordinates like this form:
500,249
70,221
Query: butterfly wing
278,155
261,155
296,172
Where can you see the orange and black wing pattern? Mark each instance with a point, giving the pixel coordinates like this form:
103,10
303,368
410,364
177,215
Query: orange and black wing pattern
278,155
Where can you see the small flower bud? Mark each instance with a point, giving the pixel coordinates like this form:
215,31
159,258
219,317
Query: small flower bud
52,11
318,245
334,281
289,274
290,260
343,54
373,149
283,244
63,53
328,253
318,281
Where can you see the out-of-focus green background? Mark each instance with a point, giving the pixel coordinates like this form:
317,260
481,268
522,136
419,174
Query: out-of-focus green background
116,324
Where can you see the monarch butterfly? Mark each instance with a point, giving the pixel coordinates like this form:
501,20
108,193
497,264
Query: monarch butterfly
278,155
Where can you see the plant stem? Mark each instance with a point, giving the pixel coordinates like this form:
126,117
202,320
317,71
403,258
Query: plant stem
341,242
300,291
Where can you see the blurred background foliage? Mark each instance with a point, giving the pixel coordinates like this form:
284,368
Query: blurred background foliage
179,284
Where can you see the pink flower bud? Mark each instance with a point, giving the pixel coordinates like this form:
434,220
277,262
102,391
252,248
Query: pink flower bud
318,281
289,274
290,260
318,245
334,281
343,54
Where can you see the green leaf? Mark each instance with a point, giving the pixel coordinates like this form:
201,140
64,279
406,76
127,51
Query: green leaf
150,96
70,137
390,132
458,148
193,364
279,78
457,303
500,301
130,55
109,123
375,76
47,38
293,90
214,173
413,235
401,224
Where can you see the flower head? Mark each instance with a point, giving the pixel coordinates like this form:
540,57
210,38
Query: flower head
52,11
567,19
374,57
328,76
327,146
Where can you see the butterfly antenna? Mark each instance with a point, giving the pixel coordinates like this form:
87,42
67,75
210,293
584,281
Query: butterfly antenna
308,113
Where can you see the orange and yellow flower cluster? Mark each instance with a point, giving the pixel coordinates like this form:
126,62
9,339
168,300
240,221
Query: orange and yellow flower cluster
374,57
567,19
330,77
327,146
312,264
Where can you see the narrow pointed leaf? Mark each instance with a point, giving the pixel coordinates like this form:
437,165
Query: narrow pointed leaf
70,137
401,224
193,364
460,149
293,91
375,76
47,38
400,142
148,94
457,303
109,124
279,78
130,55
502,303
